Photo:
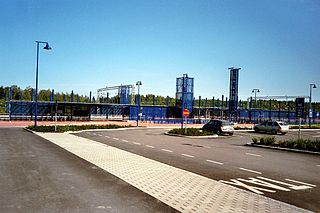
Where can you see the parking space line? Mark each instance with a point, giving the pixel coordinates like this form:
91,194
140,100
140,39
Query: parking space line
115,139
136,143
295,181
251,154
216,162
207,147
318,165
99,135
107,136
166,150
152,147
186,155
249,170
125,141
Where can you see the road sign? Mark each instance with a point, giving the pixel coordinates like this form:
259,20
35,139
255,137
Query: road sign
300,107
186,112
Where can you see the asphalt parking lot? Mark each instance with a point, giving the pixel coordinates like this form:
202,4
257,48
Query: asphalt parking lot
286,176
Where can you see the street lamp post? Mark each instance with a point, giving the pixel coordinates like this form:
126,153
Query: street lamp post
255,98
47,47
138,110
312,86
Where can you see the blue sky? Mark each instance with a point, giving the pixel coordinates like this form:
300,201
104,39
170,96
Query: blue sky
107,43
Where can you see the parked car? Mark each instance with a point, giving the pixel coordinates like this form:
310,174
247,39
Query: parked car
219,127
273,127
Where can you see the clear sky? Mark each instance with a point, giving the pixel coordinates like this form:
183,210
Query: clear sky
107,43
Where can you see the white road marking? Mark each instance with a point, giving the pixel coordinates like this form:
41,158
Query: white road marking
107,136
207,147
318,165
251,188
166,150
115,139
249,170
100,135
263,183
295,181
216,162
190,156
125,141
251,154
136,143
94,134
291,186
152,147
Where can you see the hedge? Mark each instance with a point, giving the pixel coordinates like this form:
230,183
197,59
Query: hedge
190,132
67,128
301,144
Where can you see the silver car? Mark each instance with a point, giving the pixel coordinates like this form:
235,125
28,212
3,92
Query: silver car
273,127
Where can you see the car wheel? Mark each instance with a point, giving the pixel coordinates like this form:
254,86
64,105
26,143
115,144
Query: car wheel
283,133
256,130
230,134
274,132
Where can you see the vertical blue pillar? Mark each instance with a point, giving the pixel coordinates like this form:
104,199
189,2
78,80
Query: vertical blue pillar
32,94
72,96
270,108
10,99
167,101
52,95
222,100
250,107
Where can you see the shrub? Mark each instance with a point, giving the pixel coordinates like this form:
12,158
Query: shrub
255,140
190,132
67,128
301,144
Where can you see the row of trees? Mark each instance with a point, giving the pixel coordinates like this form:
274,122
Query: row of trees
150,99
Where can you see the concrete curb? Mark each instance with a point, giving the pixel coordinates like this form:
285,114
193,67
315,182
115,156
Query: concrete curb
192,137
283,149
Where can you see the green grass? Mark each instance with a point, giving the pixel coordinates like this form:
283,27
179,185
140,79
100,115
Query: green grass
191,132
68,128
300,144
313,126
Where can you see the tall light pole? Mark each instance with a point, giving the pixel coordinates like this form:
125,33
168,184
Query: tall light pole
138,98
255,98
312,86
47,47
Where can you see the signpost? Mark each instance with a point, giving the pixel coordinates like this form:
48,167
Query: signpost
186,113
299,112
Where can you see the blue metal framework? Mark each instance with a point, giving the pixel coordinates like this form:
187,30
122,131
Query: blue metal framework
184,93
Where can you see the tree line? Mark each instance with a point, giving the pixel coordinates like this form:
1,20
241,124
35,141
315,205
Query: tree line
149,99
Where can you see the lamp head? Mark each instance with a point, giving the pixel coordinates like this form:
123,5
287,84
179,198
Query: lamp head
314,86
138,83
47,47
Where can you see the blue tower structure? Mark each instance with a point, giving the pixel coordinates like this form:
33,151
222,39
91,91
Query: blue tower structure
184,93
125,94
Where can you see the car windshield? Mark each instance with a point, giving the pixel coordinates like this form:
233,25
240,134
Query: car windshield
282,123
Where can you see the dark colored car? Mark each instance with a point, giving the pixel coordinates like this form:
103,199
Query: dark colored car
219,127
